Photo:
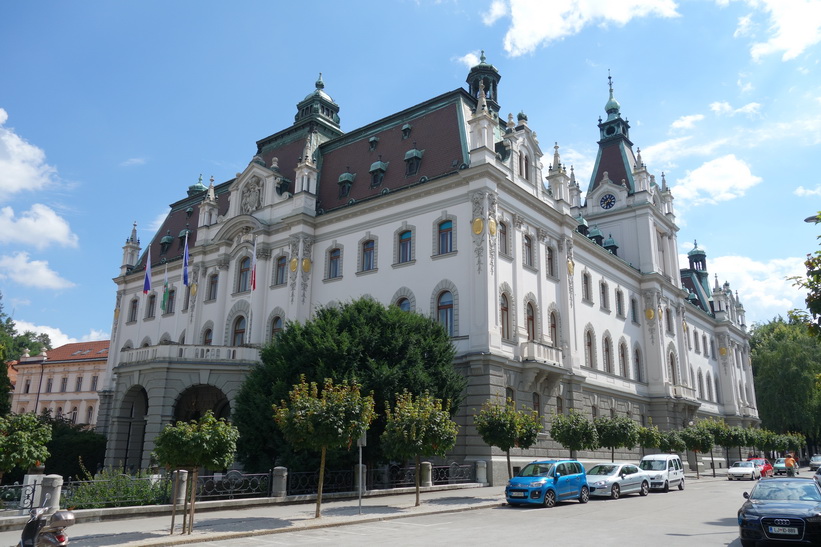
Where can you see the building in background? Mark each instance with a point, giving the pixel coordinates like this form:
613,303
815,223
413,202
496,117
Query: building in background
558,297
63,381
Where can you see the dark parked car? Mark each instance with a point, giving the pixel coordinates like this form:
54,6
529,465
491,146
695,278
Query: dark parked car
781,509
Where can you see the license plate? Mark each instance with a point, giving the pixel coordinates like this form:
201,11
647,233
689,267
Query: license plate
784,530
517,494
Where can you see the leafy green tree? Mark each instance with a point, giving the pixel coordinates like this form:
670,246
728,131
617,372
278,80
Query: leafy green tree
649,437
15,343
207,442
23,439
506,427
418,426
697,438
738,437
73,448
336,417
671,442
574,432
721,436
384,349
812,284
786,361
616,432
5,385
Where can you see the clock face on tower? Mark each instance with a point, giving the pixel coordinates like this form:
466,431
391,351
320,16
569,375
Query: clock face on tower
607,201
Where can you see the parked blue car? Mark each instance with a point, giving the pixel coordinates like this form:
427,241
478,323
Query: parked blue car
546,482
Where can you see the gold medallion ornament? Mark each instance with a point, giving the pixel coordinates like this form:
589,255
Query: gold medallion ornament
306,265
293,265
194,289
571,266
491,227
478,226
649,314
722,351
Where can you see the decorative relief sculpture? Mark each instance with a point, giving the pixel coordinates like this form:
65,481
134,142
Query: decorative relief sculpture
252,196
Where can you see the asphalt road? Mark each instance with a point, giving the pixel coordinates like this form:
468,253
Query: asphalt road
703,514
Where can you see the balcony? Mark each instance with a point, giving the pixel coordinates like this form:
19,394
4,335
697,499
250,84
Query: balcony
537,351
174,352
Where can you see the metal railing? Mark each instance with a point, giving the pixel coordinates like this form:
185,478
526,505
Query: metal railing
232,485
307,482
17,497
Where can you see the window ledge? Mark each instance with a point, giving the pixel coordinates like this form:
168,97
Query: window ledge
403,264
531,268
332,279
367,272
444,255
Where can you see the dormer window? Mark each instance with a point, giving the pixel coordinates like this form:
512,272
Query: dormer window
165,242
377,172
372,142
413,158
345,183
406,131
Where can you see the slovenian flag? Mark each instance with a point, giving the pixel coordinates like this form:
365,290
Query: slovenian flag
147,282
254,267
185,261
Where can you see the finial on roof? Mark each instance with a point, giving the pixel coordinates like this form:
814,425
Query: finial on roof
556,160
638,157
572,175
612,107
482,56
663,182
319,83
133,238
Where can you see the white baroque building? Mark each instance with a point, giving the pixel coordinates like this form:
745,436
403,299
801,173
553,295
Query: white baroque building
558,300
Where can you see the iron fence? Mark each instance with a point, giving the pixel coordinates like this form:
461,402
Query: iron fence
232,485
17,497
307,482
395,476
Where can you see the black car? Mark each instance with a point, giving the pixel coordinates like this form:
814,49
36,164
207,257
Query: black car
781,509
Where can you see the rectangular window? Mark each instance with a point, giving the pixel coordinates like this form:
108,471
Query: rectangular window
281,271
620,303
527,243
132,312
405,246
446,237
94,383
79,385
213,282
368,251
63,384
169,303
27,387
334,258
49,385
152,306
551,262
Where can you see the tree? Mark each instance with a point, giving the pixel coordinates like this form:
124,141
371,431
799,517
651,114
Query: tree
5,385
574,432
336,417
23,439
649,437
737,436
207,442
698,439
671,442
786,361
418,426
384,349
15,343
506,427
812,284
73,448
616,432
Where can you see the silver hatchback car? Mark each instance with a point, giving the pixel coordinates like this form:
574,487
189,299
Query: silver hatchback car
613,480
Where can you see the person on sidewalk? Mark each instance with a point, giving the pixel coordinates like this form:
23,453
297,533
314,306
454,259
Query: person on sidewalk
790,464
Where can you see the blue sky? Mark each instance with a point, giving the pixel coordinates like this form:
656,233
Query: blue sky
110,110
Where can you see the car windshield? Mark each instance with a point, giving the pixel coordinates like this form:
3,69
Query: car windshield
743,464
779,461
653,465
799,490
815,459
536,470
603,469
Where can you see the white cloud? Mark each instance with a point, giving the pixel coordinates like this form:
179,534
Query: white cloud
793,26
666,153
38,227
721,179
58,337
803,192
724,108
22,165
751,109
31,273
535,22
133,161
745,87
745,26
687,122
763,287
470,60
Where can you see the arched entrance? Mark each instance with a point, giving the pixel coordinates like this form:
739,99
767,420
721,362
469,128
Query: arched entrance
131,429
195,401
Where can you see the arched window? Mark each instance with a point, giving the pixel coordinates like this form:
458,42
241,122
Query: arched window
623,360
669,318
527,251
554,329
585,286
559,405
405,246
207,337
551,262
244,279
504,313
151,309
444,310
589,349
605,296
718,393
700,385
90,415
213,282
368,255
510,395
281,276
238,335
671,369
531,321
404,304
595,411
537,404
334,260
638,365
503,239
445,237
619,303
527,168
276,327
73,417
608,355
709,387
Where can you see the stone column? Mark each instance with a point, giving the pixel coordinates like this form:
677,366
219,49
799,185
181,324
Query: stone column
481,471
279,488
425,478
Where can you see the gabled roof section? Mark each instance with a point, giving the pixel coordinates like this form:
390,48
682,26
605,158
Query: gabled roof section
80,351
435,127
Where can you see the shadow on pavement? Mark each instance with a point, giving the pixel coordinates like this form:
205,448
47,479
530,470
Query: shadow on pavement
454,500
366,510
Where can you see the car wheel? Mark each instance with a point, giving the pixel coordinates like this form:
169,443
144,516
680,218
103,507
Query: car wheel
615,492
729,478
549,498
584,497
645,489
666,487
681,484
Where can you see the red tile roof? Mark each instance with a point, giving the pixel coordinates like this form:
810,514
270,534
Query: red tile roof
86,351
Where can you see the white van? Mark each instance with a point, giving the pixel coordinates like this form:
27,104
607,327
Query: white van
665,470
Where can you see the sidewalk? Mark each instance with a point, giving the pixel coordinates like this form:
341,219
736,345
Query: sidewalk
270,518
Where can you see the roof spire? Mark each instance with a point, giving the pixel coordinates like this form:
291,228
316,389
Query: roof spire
319,83
612,107
556,160
482,57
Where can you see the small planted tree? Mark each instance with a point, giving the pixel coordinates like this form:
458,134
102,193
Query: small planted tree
334,418
23,439
737,436
698,439
574,432
506,427
416,427
208,443
671,442
649,437
720,433
616,432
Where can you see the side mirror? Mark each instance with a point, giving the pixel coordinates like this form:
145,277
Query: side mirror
558,474
746,495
